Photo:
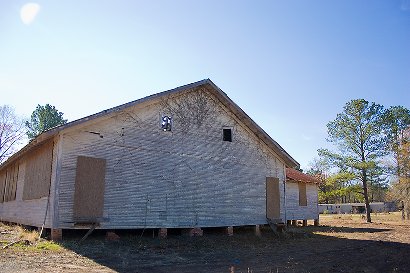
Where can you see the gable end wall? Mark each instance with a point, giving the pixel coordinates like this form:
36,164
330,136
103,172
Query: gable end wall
183,178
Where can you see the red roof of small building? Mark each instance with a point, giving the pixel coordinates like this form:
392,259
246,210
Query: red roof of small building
292,174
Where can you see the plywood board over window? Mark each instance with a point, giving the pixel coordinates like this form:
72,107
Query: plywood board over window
272,198
89,189
2,184
38,172
11,182
302,194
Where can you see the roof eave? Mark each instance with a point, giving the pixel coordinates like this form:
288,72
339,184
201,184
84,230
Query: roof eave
289,161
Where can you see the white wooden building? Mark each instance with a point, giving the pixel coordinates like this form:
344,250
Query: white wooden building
184,158
301,193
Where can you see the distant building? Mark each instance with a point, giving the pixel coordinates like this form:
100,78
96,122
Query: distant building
357,207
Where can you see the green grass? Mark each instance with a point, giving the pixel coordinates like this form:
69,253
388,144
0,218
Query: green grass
26,240
47,245
42,245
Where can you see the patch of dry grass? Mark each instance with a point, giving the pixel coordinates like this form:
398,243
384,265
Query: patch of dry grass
384,217
18,237
4,227
30,236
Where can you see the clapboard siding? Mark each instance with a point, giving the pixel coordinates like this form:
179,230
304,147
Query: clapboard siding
296,212
183,178
28,212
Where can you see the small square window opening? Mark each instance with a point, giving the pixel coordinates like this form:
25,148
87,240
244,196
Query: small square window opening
227,135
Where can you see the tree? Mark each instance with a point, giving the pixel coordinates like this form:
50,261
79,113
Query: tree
334,187
43,119
356,132
404,175
11,132
319,168
397,119
378,184
400,190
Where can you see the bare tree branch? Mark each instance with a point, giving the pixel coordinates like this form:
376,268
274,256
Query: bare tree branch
11,132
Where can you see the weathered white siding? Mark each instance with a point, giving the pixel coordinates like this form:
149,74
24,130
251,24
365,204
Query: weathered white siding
296,212
183,178
28,212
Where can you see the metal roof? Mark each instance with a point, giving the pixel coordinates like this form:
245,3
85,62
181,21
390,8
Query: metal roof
295,175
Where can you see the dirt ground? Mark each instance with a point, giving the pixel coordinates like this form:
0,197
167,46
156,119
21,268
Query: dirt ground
343,243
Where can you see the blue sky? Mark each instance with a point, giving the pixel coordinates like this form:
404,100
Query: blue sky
290,65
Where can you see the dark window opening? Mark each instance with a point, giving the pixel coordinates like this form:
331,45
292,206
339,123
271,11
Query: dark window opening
227,135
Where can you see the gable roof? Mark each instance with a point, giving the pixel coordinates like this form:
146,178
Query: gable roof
295,175
206,83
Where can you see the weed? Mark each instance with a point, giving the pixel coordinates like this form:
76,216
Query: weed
27,240
48,245
26,235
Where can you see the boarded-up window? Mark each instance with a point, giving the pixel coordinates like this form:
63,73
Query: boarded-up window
10,186
2,184
272,198
38,172
302,194
89,189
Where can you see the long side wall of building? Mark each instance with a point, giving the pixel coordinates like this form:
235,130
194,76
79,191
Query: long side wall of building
30,205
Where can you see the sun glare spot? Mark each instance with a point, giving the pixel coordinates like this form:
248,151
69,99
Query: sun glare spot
29,12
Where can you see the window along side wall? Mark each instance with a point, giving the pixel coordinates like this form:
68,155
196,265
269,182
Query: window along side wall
302,194
2,185
8,183
38,172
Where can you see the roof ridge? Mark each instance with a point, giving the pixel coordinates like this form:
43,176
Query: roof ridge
222,96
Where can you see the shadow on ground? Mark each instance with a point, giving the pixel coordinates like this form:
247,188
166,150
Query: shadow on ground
344,229
299,250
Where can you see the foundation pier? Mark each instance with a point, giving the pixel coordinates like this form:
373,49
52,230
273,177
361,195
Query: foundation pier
193,232
229,231
56,234
258,231
162,233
